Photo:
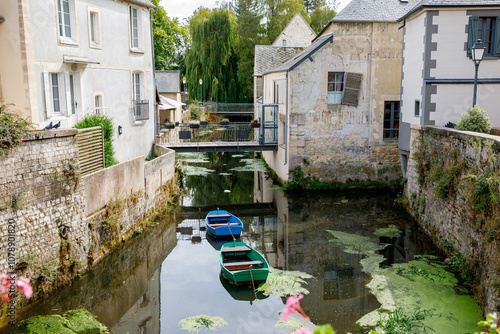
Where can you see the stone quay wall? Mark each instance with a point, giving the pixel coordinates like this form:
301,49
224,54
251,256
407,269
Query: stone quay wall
58,222
453,192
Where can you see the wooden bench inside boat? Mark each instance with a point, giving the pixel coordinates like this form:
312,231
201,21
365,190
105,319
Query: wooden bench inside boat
228,249
223,224
219,215
241,265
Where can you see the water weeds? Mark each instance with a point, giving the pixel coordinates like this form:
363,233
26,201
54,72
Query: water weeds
284,283
195,323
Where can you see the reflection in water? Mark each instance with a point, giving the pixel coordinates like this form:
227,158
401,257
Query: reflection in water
173,272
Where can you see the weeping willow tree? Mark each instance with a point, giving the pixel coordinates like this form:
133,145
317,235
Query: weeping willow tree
212,57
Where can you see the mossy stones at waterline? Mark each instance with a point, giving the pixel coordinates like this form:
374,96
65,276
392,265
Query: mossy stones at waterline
75,321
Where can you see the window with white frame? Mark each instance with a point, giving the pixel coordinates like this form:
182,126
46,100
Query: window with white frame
61,93
94,28
66,20
140,106
135,28
335,87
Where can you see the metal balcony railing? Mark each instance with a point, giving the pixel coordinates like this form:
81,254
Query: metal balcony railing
140,109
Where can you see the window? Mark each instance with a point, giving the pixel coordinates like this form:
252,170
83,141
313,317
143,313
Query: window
135,28
284,42
64,18
72,93
140,106
98,103
56,99
94,28
486,29
391,120
335,87
417,108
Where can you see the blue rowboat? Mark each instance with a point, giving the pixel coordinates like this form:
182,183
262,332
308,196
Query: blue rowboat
221,223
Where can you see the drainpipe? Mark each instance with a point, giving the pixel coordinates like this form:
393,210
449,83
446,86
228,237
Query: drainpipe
286,120
154,72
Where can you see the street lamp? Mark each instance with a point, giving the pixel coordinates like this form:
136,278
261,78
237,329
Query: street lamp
201,97
477,56
184,84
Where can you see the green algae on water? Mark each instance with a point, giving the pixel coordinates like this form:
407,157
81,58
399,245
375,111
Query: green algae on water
392,231
71,322
419,285
291,324
198,171
251,165
195,323
284,283
192,157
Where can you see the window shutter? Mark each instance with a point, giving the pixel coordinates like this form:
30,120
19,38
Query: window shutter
67,87
48,95
473,30
352,87
497,38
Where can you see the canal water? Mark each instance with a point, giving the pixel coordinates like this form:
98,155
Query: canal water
352,255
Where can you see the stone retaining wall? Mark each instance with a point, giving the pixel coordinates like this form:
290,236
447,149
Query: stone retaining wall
446,196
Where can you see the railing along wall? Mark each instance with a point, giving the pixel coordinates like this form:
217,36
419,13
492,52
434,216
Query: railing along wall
91,149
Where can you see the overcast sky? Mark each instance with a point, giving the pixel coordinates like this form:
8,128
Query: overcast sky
185,8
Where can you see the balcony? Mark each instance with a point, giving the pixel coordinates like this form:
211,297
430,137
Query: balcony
140,109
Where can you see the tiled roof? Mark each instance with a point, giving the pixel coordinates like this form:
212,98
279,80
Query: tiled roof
295,61
167,81
268,57
375,10
146,3
453,3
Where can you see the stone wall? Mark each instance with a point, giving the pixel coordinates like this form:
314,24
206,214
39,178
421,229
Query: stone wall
41,191
452,190
59,222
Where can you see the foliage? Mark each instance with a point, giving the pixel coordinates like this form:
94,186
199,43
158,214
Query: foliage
169,38
475,119
491,325
12,129
458,262
215,62
195,323
398,322
321,15
277,14
91,120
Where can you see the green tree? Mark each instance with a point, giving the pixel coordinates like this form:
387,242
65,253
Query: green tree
249,32
321,15
169,39
278,13
211,55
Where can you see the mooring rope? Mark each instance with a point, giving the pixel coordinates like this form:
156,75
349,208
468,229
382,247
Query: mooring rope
253,284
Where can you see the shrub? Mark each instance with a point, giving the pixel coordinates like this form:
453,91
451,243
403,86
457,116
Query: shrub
91,120
475,119
12,129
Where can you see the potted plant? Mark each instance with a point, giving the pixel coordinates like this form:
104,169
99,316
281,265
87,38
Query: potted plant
194,124
254,124
225,121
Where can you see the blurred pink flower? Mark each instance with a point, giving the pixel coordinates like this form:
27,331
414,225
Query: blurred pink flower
303,330
23,284
292,306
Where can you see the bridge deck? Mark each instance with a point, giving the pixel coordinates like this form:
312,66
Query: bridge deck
248,146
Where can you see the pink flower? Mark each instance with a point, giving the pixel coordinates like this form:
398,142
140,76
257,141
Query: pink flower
292,306
303,330
23,284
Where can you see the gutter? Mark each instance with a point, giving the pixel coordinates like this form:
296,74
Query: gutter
143,4
286,121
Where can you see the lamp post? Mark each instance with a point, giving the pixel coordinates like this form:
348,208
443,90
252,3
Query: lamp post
201,97
184,85
477,56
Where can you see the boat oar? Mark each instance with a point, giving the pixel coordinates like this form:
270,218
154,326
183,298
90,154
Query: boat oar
253,284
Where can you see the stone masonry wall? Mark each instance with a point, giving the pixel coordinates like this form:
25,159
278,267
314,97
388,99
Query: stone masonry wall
446,196
53,229
41,192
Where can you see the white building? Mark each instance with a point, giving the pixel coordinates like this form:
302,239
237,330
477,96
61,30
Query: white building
62,59
438,72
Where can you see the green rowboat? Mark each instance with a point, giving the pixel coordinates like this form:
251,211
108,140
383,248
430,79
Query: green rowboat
242,264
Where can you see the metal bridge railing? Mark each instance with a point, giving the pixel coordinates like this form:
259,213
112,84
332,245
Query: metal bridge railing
210,133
